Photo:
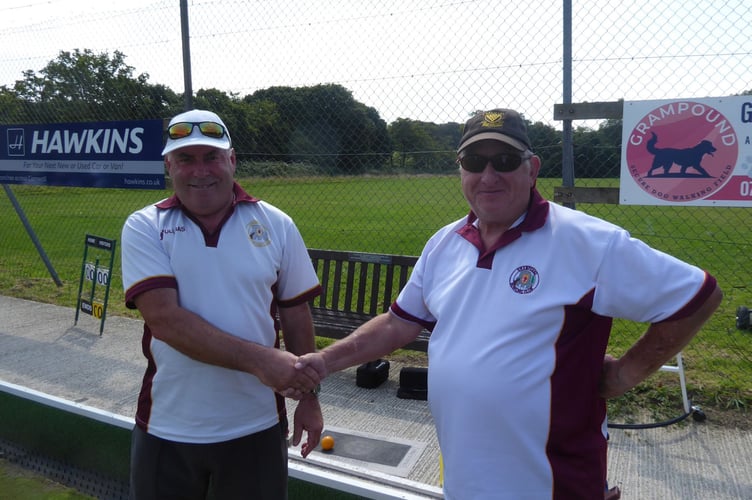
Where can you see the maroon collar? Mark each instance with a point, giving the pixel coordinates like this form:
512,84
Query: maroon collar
211,239
240,196
537,212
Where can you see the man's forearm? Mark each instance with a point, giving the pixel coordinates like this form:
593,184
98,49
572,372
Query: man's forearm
375,338
198,339
661,342
297,329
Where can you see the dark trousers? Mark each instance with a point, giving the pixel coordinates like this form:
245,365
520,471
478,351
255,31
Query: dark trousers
250,467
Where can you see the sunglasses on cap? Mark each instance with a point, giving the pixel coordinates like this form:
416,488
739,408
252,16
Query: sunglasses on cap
504,162
184,129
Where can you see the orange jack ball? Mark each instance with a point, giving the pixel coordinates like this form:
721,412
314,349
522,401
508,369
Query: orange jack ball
327,443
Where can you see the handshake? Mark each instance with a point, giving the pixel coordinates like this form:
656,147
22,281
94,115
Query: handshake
298,378
295,377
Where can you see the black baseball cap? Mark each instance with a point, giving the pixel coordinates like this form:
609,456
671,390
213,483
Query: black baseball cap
505,125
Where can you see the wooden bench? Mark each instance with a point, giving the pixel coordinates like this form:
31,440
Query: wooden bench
356,287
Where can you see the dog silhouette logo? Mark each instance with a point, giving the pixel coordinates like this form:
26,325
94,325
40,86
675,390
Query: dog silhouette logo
685,158
682,152
16,143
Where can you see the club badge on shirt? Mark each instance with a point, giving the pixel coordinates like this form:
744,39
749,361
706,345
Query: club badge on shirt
524,279
258,234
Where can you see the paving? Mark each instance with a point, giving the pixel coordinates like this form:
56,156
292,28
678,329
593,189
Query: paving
41,349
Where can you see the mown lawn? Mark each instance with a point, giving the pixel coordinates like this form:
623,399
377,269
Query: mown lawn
397,214
19,483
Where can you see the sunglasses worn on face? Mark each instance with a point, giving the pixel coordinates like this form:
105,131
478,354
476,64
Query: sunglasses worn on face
184,129
505,162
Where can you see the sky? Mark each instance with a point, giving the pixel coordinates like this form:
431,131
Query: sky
432,60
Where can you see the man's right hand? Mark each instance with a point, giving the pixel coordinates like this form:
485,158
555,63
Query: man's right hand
310,366
280,372
312,361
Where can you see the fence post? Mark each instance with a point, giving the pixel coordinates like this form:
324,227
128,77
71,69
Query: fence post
32,235
567,153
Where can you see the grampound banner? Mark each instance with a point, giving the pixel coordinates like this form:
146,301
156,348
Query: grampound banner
687,152
121,154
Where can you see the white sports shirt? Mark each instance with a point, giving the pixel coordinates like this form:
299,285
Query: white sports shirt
234,279
519,336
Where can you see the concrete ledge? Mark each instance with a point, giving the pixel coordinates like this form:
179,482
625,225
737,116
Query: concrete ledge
344,477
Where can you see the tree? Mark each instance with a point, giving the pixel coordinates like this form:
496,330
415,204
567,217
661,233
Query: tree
546,142
323,125
597,152
84,86
424,146
11,108
247,121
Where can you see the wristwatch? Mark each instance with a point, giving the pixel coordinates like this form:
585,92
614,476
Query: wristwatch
316,390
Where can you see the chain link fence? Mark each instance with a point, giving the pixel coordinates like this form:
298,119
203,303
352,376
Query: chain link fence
319,95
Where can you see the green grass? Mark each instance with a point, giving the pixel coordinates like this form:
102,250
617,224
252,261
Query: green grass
22,484
397,214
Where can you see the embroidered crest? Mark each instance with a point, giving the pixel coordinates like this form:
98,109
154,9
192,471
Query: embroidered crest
493,119
258,234
524,279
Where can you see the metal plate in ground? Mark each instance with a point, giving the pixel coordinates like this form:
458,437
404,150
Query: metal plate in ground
385,454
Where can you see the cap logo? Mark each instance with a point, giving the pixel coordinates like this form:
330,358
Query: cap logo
493,119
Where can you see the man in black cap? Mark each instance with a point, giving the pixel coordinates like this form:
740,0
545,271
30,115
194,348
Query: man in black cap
520,296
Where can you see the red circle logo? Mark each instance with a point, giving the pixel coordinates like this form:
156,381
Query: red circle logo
682,151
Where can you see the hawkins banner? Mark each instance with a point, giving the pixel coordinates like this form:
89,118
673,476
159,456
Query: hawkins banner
121,154
687,152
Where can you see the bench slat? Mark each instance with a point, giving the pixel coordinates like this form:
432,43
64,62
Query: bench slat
386,299
361,292
374,309
356,287
349,287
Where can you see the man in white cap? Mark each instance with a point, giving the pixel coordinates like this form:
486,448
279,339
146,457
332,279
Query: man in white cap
210,269
520,296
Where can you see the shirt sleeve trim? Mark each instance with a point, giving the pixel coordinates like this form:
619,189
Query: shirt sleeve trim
402,314
697,301
147,284
301,298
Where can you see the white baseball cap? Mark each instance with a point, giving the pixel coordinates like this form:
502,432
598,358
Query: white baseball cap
202,130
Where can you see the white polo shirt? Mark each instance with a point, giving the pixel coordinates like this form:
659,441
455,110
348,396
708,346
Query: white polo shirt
234,279
519,336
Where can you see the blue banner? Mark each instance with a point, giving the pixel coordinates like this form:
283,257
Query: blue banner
119,154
